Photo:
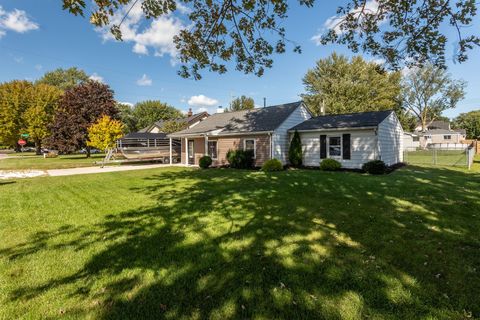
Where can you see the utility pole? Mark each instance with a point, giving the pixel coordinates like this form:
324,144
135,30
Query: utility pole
264,102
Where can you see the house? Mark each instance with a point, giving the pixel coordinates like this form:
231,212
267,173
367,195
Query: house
437,124
190,120
352,139
264,130
411,141
441,136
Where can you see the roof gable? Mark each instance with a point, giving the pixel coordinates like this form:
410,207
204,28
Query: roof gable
350,120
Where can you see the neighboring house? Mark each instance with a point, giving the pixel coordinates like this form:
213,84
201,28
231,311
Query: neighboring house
264,130
411,141
352,139
436,136
437,124
191,120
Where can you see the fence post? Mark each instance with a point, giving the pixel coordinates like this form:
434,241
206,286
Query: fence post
434,156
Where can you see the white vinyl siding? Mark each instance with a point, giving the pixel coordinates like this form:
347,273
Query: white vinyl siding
280,137
390,140
363,147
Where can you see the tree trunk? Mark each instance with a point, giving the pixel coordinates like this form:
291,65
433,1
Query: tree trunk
88,151
38,147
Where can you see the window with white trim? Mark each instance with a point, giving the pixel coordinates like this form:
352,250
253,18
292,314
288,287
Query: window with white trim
447,137
335,147
212,149
250,144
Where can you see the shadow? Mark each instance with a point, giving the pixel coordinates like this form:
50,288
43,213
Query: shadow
6,182
299,244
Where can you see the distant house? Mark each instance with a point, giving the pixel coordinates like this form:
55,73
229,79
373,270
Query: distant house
352,139
263,130
439,132
437,124
190,120
411,141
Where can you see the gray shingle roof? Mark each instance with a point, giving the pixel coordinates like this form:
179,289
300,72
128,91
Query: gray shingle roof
351,120
442,131
255,120
192,119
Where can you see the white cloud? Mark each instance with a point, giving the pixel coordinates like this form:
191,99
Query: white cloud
334,23
96,77
144,81
16,20
202,101
38,67
156,36
18,59
379,61
127,103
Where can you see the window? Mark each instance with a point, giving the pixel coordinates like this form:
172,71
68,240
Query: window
190,149
427,137
416,138
447,137
212,149
334,147
249,144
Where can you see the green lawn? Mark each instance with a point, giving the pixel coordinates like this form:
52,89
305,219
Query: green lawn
179,243
18,161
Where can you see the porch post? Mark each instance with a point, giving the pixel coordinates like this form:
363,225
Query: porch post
206,145
170,140
186,151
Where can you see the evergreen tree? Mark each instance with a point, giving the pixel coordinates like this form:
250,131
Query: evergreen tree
295,151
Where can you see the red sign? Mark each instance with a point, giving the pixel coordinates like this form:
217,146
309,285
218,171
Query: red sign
22,142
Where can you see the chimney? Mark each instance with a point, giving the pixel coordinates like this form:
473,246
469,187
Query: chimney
220,109
190,113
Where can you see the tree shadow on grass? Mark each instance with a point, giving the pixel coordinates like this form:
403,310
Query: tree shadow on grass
294,245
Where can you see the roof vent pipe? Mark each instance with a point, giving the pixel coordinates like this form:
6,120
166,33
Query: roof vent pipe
220,109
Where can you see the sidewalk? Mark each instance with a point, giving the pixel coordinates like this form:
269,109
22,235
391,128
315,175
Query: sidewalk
90,170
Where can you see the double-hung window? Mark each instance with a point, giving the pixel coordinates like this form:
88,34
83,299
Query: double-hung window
212,149
335,147
249,144
447,137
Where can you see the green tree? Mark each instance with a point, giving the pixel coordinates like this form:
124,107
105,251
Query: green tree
242,103
295,151
251,32
104,133
150,111
469,121
342,86
170,126
79,108
125,113
64,78
39,113
15,98
429,91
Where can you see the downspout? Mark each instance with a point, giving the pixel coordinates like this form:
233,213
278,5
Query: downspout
271,146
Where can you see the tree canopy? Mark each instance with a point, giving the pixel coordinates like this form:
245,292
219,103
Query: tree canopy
469,121
150,111
79,108
104,133
428,91
249,33
125,113
342,85
170,126
64,78
242,103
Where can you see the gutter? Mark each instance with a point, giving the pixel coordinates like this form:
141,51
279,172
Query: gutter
203,134
334,129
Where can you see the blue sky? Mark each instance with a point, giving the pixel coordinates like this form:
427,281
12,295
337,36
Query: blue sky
38,36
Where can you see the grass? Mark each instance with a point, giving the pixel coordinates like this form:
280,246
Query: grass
32,161
442,157
178,243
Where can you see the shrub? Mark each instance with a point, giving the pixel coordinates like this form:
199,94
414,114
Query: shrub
375,167
295,150
330,165
205,162
272,165
240,159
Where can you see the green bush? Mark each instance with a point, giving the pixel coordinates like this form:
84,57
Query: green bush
375,167
330,165
240,159
205,162
295,150
272,165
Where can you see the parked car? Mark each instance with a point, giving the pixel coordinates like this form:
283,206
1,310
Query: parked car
92,151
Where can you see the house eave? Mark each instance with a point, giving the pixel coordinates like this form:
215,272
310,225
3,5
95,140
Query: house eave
335,129
210,134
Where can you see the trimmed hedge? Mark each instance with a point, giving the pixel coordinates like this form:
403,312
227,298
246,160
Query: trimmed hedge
205,162
272,165
330,165
240,159
375,167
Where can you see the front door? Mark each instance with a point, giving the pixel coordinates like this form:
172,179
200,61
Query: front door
191,154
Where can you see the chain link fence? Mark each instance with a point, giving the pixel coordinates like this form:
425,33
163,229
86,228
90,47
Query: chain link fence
440,157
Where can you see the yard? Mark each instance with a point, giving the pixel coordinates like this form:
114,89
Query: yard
179,243
18,161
